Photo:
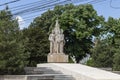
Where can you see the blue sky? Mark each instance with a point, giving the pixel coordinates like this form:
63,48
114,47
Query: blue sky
106,10
103,8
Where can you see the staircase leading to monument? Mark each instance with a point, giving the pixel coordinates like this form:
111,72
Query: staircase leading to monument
40,70
45,73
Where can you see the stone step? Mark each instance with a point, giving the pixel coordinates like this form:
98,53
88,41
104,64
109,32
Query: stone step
49,77
63,77
45,73
36,69
41,70
34,73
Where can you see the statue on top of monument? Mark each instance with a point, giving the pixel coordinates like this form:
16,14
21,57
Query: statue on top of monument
62,41
51,39
56,39
57,28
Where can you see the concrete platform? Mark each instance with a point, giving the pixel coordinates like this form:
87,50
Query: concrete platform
82,72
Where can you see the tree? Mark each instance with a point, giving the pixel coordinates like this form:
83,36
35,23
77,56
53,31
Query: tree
80,23
12,58
116,61
36,45
113,27
102,53
106,52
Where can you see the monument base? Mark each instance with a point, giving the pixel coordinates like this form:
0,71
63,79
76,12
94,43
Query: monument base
57,58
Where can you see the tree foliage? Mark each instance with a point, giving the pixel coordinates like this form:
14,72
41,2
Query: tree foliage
12,57
113,27
102,53
36,45
106,53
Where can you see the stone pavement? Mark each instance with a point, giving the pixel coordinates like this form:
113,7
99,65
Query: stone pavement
82,72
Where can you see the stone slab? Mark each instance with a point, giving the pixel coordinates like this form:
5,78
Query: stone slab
36,77
82,72
57,58
13,77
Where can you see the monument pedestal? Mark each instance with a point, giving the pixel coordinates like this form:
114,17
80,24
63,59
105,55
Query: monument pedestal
57,58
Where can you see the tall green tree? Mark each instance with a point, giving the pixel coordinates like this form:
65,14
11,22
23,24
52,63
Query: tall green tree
36,45
80,23
106,52
116,61
113,27
12,57
102,53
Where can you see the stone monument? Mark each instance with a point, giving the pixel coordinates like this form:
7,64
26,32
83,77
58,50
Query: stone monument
57,41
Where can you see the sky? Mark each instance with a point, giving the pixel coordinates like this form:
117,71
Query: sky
106,8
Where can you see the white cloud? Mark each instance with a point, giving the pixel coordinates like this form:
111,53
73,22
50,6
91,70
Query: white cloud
21,22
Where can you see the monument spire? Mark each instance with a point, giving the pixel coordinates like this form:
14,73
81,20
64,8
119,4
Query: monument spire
57,27
57,23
